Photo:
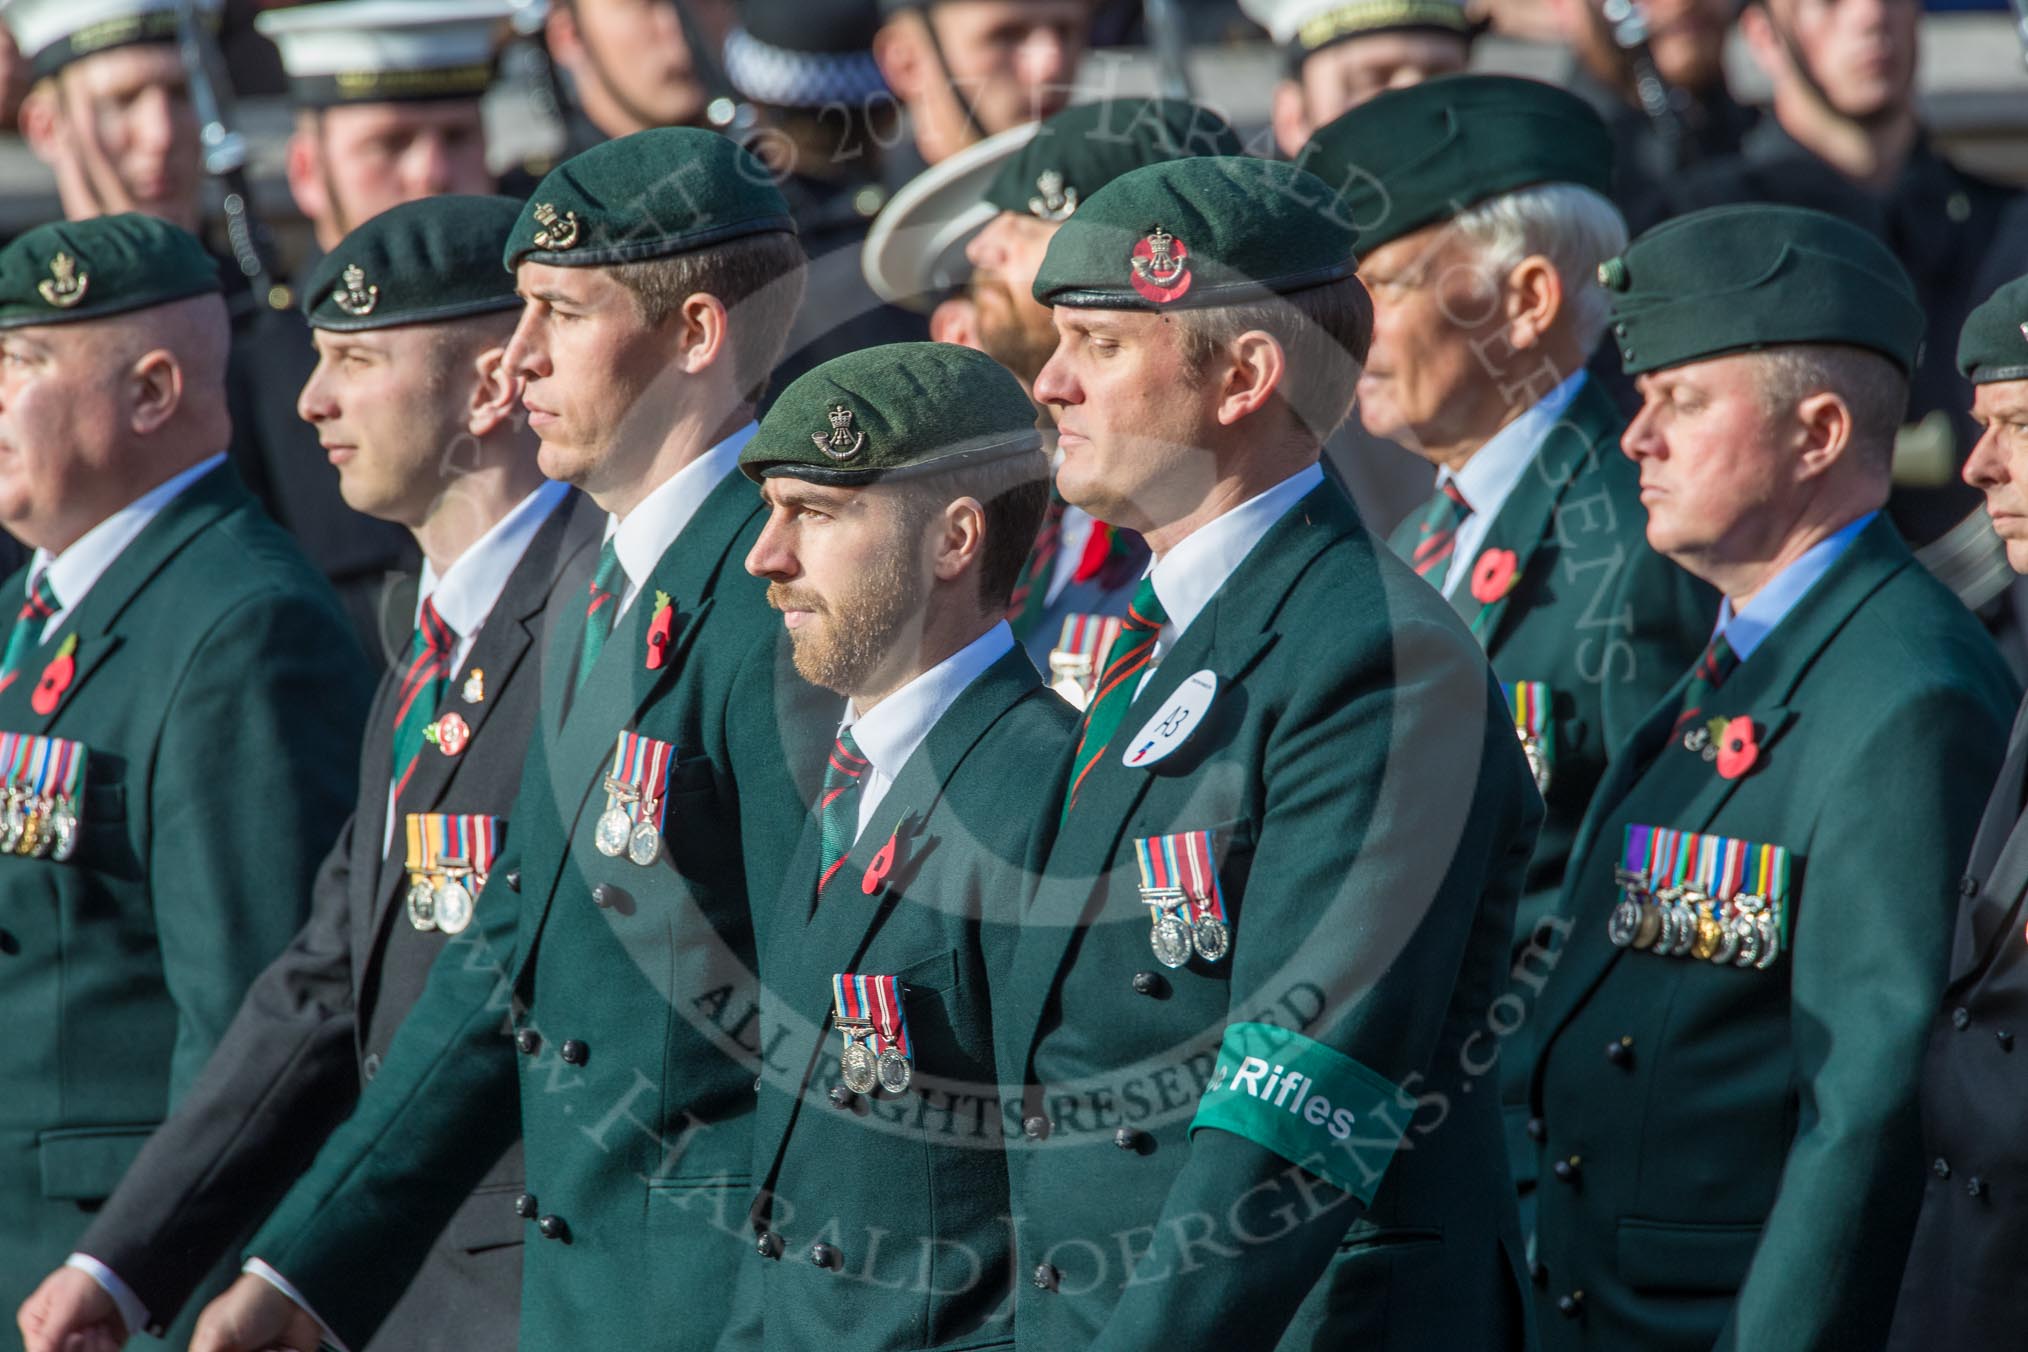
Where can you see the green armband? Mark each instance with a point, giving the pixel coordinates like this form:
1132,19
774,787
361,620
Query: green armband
1312,1105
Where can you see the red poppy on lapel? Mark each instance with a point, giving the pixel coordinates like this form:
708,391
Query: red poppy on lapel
1493,576
658,631
56,678
880,866
1737,749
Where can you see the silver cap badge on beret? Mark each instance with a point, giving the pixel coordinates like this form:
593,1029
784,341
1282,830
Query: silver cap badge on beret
842,443
65,285
1055,202
558,232
357,299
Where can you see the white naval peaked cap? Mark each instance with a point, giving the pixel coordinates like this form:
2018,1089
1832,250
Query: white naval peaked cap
1304,26
388,51
53,33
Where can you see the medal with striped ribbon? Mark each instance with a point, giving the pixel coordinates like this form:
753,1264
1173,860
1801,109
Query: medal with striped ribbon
1186,908
867,1012
39,808
449,858
636,799
1528,701
1081,648
1708,897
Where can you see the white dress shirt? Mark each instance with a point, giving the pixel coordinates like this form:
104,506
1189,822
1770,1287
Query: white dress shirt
1073,536
1489,478
645,535
1189,575
890,734
77,570
1745,629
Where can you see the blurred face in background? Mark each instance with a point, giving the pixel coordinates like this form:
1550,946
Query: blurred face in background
350,163
1013,61
118,130
1336,79
629,62
1855,56
1011,326
1686,38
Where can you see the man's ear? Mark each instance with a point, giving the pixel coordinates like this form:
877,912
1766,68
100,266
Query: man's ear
1824,432
156,382
39,115
903,58
962,539
1534,301
1256,367
702,338
305,176
1291,118
1756,27
495,393
560,35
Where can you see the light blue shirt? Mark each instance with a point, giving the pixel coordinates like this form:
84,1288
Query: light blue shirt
1747,628
890,734
1489,478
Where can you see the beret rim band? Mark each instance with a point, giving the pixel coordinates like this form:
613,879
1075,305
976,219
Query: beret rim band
403,318
1992,375
843,476
640,251
1200,296
1670,361
111,310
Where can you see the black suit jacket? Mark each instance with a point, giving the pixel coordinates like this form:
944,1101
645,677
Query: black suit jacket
1966,1285
314,1026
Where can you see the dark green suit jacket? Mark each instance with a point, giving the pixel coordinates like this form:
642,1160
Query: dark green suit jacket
907,1194
1739,1147
219,695
627,1061
1371,817
1608,625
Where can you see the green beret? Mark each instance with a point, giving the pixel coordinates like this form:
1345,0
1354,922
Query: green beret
1081,149
1994,344
891,412
1212,230
1413,157
1738,278
75,270
433,259
668,190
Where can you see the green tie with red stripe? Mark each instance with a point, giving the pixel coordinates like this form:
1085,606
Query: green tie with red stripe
1717,663
1438,541
838,804
27,632
422,688
1129,658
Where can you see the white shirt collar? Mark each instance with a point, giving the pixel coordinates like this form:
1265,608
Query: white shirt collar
468,589
1745,629
1488,478
644,537
889,735
1188,576
77,570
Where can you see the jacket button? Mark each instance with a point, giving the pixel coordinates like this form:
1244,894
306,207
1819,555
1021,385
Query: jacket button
1961,1018
528,1041
370,1067
1035,1128
1975,1186
525,1207
604,895
1940,1166
1126,1138
1968,886
841,1097
1046,1277
1538,1130
768,1245
823,1255
513,880
1566,1170
1147,983
574,1052
1570,1306
1538,1273
2004,1038
552,1227
1620,1051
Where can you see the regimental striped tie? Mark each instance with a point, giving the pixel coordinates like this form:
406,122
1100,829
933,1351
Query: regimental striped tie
1440,521
838,804
1717,663
423,676
1031,590
1126,661
601,610
26,635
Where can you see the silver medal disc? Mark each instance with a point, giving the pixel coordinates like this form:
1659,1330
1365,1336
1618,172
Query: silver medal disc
1170,939
613,829
857,1067
1211,938
1624,923
453,902
894,1071
1686,931
1538,766
422,906
1728,941
1771,942
66,830
644,844
1749,942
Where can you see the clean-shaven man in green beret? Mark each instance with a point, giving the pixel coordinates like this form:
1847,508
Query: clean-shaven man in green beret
1230,1036
180,703
1966,1284
903,484
1482,222
1081,571
412,313
1724,1096
659,272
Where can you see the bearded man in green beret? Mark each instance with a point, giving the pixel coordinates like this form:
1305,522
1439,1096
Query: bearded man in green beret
1272,915
1724,1099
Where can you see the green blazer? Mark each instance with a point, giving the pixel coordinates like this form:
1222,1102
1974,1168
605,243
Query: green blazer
1736,1150
883,1221
628,1056
219,695
1608,625
1371,816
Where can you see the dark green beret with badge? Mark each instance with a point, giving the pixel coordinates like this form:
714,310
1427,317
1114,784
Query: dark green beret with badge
1740,278
1413,157
69,271
668,190
1081,149
894,411
422,262
1212,230
1994,344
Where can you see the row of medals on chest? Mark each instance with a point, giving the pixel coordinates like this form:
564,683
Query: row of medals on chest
621,830
444,898
38,825
862,1068
1680,922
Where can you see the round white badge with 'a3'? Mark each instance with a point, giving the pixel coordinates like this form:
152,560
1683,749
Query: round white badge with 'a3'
1173,722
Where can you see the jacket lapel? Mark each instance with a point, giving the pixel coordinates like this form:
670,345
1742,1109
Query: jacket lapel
1999,861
